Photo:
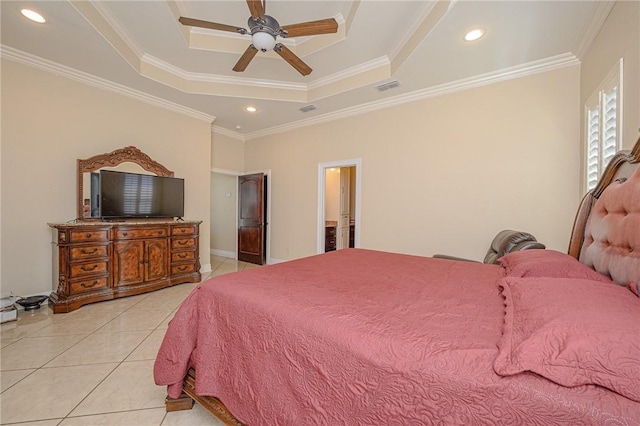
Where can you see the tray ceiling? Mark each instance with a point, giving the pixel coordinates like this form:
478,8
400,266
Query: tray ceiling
140,48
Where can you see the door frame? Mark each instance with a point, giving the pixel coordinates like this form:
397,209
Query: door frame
357,163
267,173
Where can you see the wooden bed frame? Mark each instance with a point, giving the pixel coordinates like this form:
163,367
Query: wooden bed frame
622,165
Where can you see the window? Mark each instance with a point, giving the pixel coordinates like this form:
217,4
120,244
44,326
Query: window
603,119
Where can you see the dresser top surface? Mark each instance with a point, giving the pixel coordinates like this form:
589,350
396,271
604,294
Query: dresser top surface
123,223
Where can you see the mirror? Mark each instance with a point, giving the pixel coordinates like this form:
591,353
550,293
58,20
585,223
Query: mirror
129,159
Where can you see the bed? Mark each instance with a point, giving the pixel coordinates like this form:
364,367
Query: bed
366,337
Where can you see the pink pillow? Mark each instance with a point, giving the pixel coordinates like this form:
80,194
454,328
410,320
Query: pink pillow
547,263
573,332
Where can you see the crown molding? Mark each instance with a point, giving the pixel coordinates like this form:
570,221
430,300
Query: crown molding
226,132
535,67
382,61
220,79
420,28
412,28
113,23
544,65
599,14
97,16
28,59
359,75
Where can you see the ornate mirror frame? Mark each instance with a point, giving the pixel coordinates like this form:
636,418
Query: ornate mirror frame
129,154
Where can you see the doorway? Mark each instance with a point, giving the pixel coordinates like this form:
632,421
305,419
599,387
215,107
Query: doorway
252,218
339,212
225,213
223,219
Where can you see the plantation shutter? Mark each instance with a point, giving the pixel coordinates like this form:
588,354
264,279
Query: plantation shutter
593,146
609,126
603,115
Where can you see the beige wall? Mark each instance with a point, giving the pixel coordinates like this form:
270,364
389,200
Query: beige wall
224,201
441,175
227,153
618,38
47,123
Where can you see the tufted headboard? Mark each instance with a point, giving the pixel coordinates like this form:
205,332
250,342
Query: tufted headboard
606,232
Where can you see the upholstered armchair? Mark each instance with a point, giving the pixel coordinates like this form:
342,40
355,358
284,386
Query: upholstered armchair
505,242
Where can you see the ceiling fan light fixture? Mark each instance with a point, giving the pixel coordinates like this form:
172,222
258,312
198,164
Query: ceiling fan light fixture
263,41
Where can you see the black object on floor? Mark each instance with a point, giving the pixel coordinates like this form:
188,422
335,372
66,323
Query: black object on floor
31,303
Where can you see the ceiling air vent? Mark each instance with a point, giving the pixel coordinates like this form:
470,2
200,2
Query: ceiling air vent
308,108
388,85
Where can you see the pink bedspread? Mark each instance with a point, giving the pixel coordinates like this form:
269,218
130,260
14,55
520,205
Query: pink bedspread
365,337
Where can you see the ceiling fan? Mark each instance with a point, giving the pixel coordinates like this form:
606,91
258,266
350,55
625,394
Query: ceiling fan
264,29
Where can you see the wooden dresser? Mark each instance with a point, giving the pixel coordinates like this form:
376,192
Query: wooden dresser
95,261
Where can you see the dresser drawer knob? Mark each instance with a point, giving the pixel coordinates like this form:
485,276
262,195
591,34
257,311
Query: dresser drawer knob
182,255
88,268
88,235
183,268
89,285
183,242
125,234
85,251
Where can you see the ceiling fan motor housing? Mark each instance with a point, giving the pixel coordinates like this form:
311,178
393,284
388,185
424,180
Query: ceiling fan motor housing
262,28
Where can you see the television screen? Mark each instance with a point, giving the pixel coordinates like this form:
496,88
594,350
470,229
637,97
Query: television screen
136,195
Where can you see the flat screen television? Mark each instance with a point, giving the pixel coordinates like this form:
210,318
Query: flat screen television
131,195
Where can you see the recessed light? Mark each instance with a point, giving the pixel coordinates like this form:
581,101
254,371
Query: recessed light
250,109
238,127
34,16
474,34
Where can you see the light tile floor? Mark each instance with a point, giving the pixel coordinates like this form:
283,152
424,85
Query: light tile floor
94,366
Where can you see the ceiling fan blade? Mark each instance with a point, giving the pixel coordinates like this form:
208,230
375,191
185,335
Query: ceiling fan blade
323,26
256,8
292,59
246,57
210,25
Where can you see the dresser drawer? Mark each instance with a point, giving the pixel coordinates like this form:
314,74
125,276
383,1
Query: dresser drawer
183,256
183,230
330,231
85,252
181,269
183,243
78,270
87,236
131,234
90,284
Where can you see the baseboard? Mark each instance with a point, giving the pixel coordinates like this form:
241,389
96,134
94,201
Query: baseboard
223,253
232,255
205,269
